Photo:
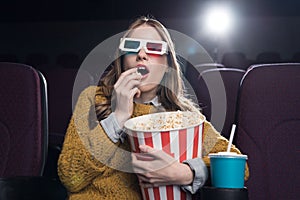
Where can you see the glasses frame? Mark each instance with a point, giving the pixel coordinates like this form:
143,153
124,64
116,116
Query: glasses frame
143,44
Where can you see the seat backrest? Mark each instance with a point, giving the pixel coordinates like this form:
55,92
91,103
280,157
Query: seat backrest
23,121
235,60
268,124
205,66
218,88
268,57
296,57
192,73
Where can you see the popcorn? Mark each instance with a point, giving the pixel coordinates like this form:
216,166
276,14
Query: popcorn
168,120
138,73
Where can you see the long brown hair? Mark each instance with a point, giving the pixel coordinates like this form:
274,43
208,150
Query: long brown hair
170,91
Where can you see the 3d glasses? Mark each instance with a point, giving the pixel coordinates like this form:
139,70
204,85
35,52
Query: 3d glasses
150,46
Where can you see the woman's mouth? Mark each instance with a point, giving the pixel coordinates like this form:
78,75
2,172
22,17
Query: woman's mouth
142,70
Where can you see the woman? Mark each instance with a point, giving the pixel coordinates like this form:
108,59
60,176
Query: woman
145,78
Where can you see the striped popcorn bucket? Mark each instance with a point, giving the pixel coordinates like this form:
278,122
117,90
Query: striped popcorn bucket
181,143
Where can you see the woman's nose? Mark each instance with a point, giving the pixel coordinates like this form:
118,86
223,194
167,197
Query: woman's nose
142,55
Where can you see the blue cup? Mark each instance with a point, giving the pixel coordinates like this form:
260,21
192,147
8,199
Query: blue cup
227,169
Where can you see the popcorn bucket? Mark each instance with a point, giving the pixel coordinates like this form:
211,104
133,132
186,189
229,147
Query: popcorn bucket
177,133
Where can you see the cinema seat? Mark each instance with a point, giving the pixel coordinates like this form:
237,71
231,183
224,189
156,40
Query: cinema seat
24,135
268,124
219,88
23,121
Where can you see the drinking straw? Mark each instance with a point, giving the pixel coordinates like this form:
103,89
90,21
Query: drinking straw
231,137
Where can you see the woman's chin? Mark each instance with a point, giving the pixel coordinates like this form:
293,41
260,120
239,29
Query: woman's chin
147,87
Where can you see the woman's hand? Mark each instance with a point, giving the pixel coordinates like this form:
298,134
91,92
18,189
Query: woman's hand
124,90
155,168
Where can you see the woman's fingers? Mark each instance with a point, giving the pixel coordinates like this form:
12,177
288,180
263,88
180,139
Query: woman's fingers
138,166
151,181
128,87
125,89
127,76
123,75
143,157
150,160
155,153
146,148
137,94
155,167
134,92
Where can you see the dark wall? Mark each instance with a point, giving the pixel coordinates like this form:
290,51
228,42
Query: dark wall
250,36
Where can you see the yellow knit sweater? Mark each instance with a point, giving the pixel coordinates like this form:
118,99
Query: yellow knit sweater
91,165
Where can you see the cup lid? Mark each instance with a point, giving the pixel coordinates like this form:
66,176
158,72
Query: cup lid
227,155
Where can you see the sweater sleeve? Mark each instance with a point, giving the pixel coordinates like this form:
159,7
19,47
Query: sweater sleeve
213,143
87,151
200,175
